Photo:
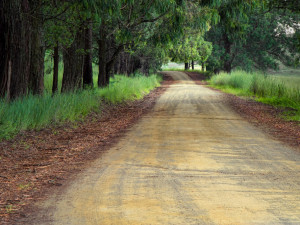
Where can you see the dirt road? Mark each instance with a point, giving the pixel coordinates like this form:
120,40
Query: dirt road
190,161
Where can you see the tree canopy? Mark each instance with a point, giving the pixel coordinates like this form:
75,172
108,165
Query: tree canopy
124,36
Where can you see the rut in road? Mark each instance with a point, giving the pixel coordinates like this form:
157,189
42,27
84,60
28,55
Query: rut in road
190,161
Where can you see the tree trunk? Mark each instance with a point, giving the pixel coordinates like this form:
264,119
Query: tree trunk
144,66
102,56
126,63
227,58
202,66
16,48
73,64
3,56
88,67
186,66
193,65
55,69
36,77
110,63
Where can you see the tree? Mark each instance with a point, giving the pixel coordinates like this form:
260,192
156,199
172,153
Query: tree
36,76
88,58
259,44
142,31
124,23
16,48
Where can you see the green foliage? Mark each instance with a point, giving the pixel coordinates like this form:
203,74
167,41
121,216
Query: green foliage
37,112
191,48
291,5
256,40
265,88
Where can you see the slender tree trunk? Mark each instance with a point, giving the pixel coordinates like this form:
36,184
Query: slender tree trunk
36,77
126,64
193,65
123,67
144,66
55,69
202,66
88,67
102,56
119,64
227,58
16,54
186,66
73,64
110,63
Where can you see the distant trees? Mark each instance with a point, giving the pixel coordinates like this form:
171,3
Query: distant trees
253,36
82,32
123,36
191,49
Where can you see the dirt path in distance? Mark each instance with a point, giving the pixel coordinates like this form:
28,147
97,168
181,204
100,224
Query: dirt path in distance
192,160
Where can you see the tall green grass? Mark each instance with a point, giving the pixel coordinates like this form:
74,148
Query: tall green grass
264,88
124,88
37,112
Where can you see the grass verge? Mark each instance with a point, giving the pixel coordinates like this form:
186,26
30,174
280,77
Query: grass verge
37,112
266,89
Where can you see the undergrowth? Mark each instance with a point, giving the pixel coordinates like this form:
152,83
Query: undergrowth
37,112
263,88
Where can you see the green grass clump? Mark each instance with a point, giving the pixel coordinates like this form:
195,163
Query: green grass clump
264,88
124,88
37,112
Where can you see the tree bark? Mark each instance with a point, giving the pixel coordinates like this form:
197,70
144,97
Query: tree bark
36,76
227,58
193,65
73,64
88,66
55,69
3,55
16,48
102,56
110,63
144,66
186,66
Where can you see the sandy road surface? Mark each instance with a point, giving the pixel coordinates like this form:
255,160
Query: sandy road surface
190,161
